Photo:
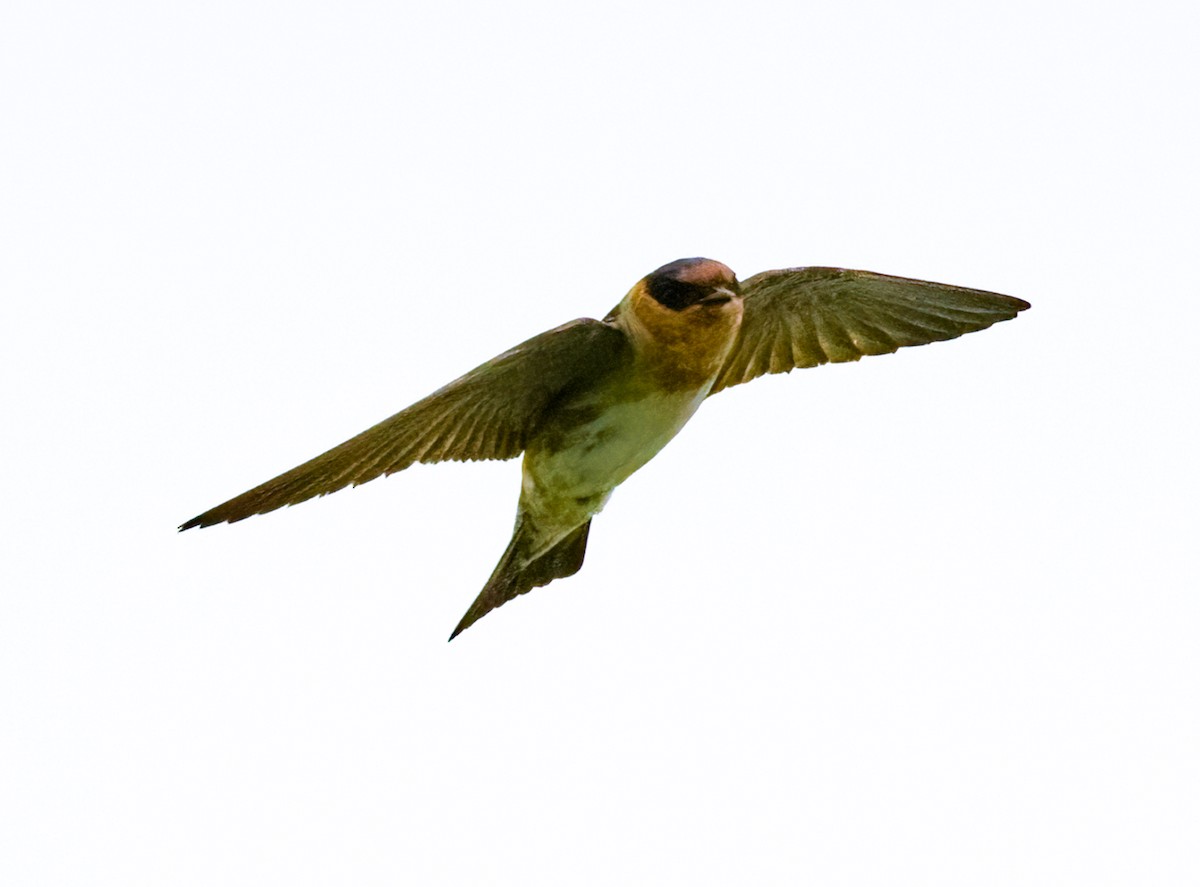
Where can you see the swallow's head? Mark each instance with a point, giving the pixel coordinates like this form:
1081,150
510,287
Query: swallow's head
683,318
692,284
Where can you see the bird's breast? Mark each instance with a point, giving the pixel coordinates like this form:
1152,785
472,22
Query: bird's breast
594,444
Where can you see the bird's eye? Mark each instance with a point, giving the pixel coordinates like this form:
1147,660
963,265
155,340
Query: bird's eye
672,293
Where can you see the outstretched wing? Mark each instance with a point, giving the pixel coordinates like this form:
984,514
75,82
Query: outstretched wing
802,317
490,413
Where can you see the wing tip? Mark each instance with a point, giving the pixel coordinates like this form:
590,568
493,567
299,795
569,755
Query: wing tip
221,515
208,519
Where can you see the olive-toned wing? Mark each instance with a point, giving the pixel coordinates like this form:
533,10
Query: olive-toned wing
802,317
490,413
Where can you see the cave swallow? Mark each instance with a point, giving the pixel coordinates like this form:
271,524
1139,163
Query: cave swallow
592,401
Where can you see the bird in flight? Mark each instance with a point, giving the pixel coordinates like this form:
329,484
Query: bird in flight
592,401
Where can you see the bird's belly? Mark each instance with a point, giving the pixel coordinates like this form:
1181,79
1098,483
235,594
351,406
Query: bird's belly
586,459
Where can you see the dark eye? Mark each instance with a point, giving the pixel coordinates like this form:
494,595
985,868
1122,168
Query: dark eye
672,293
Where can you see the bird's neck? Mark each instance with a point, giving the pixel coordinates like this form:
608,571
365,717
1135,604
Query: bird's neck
678,350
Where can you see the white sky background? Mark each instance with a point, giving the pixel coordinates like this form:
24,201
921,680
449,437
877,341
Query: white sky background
927,619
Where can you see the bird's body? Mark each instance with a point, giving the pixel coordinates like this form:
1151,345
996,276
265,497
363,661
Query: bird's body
591,402
600,435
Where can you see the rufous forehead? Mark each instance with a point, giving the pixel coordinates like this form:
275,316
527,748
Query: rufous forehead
703,272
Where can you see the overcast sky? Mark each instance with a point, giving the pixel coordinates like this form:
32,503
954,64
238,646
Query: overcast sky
927,619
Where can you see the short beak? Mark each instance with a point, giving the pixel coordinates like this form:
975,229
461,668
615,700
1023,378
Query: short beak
719,296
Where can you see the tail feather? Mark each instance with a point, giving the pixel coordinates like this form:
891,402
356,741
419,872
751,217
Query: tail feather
515,575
